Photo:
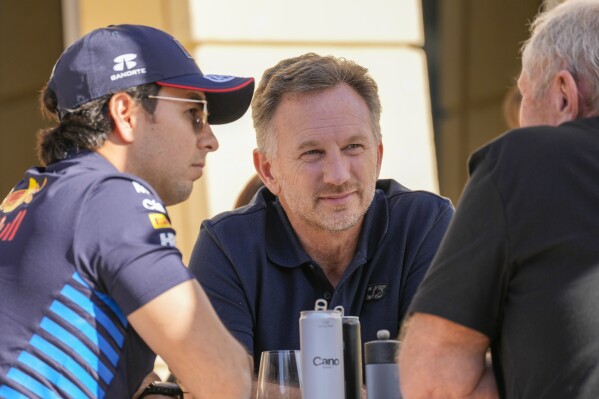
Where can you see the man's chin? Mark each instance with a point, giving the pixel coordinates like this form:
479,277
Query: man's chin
338,223
178,196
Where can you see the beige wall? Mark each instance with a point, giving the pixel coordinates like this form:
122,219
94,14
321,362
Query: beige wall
479,61
30,42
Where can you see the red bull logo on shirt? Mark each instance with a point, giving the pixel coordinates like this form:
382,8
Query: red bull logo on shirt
9,229
14,199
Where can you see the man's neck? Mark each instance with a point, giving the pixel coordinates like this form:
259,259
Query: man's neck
332,250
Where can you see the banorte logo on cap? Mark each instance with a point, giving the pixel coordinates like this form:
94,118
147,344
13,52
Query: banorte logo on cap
219,78
125,61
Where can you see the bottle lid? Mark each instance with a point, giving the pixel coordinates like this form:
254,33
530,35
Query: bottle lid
383,335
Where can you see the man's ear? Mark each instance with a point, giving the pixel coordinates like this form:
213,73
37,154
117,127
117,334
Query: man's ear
263,168
565,97
379,158
124,112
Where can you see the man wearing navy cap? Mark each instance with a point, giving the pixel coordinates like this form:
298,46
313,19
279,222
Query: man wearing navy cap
91,283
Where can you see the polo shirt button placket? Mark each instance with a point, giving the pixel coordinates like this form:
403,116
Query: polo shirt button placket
327,295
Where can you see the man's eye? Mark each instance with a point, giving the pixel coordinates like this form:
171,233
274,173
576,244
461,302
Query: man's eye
311,155
196,118
355,148
311,152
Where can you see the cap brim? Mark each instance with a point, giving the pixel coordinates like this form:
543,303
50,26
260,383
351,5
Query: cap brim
228,97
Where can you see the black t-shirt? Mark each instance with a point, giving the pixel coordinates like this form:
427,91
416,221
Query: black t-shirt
520,261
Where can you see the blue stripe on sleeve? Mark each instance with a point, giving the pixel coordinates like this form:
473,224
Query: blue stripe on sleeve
78,278
68,363
70,341
7,392
112,305
109,302
49,373
93,310
86,329
31,384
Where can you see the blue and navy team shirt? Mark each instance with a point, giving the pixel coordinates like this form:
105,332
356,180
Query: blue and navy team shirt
81,247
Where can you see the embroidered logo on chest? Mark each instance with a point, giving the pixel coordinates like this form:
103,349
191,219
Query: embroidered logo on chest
375,292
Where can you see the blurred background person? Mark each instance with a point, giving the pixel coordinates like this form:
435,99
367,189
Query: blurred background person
248,191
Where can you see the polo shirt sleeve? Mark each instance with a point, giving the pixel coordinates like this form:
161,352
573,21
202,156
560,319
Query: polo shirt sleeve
125,245
217,275
467,279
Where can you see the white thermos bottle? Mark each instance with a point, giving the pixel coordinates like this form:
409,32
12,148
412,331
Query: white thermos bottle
382,374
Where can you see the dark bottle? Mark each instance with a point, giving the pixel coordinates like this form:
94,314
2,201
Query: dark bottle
352,357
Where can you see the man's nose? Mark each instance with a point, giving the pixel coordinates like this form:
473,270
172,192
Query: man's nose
207,140
336,169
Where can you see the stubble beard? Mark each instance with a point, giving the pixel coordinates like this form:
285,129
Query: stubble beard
337,220
175,192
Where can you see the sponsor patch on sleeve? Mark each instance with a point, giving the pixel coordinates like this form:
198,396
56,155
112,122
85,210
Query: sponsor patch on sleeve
139,188
159,221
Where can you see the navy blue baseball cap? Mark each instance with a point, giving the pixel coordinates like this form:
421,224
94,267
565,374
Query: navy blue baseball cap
118,57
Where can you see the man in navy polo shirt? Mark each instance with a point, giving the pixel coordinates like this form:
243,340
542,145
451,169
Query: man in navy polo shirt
323,227
91,283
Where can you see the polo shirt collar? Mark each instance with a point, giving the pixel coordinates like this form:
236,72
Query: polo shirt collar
284,248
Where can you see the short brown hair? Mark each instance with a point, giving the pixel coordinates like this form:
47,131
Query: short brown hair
305,74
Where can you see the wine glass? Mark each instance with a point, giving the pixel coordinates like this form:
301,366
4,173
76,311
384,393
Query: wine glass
279,376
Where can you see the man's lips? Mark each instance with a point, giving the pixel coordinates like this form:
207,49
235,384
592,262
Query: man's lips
199,164
198,168
338,198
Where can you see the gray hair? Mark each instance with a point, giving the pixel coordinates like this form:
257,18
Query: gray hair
565,37
306,74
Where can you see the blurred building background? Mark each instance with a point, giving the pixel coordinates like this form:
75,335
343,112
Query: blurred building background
443,68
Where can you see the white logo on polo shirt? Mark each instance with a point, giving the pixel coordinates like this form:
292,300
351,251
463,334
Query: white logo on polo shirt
168,240
139,188
153,205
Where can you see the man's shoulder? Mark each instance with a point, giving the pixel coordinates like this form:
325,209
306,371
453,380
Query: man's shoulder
535,143
398,195
93,171
240,216
248,216
532,162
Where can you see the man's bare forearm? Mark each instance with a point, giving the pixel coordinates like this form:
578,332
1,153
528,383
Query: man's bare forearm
442,359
